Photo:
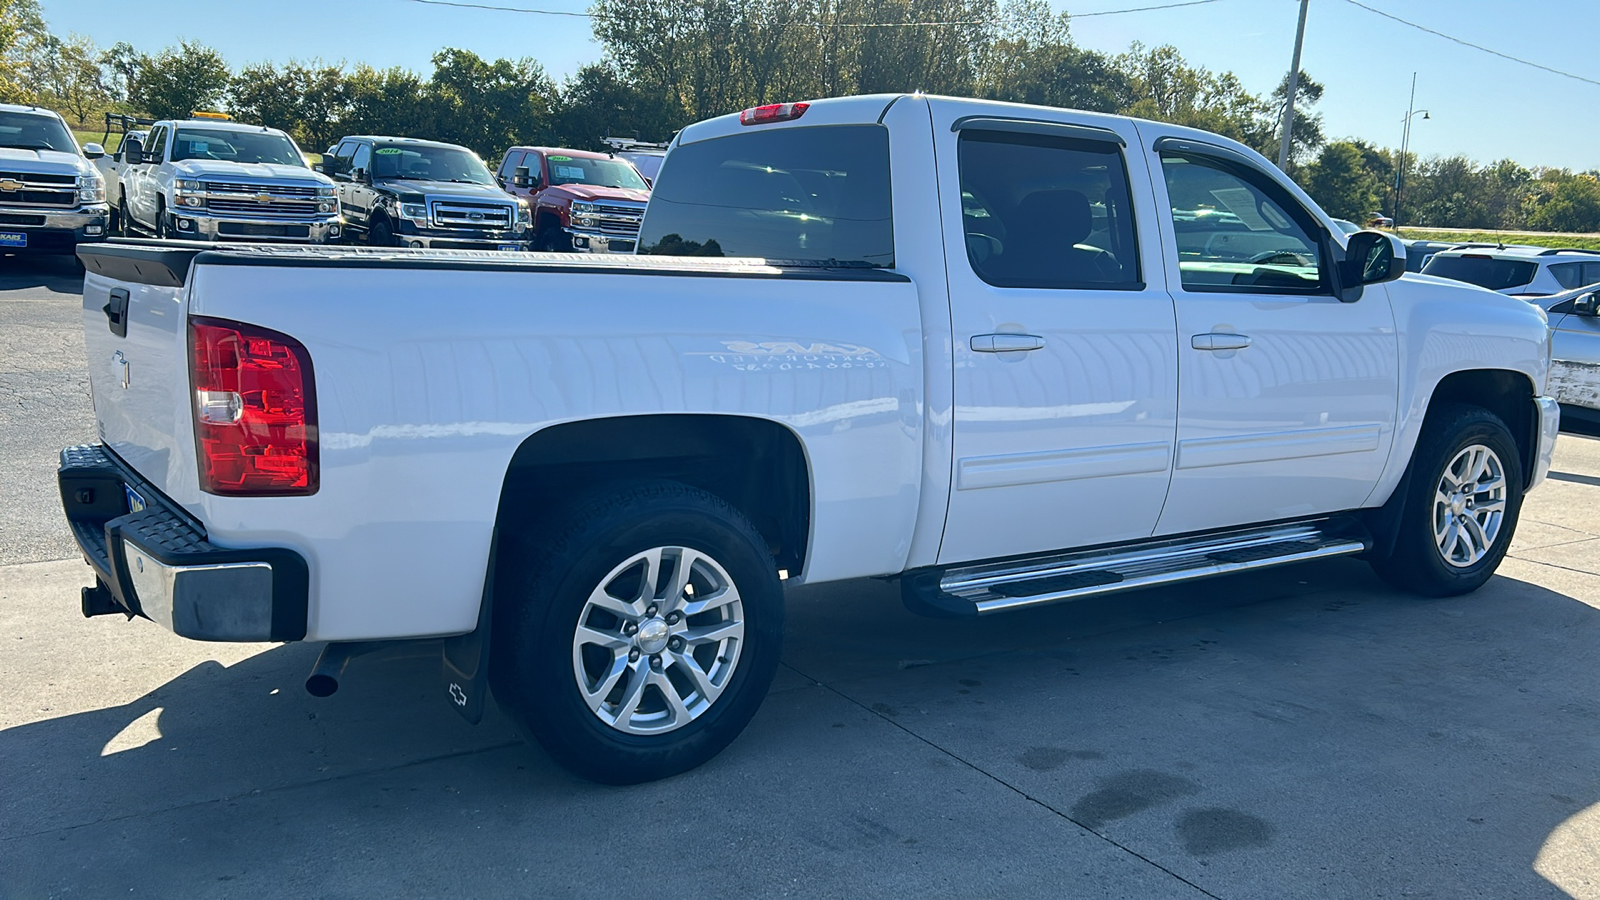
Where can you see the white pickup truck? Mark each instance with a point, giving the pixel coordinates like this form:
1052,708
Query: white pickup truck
212,179
1008,355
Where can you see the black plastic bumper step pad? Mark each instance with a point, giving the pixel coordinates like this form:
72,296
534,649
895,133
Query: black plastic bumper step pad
1262,551
1051,584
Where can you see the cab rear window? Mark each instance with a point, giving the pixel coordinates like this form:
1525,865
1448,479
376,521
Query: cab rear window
809,195
1483,271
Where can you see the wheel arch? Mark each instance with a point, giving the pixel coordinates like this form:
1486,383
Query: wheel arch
757,465
1505,392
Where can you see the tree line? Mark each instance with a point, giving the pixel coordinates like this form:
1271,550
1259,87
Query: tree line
667,63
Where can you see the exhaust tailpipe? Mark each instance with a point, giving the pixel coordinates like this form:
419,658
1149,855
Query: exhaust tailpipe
324,678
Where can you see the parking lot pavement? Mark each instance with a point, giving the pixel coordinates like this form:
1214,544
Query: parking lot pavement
1298,733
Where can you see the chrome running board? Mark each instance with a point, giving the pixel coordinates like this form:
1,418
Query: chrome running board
983,588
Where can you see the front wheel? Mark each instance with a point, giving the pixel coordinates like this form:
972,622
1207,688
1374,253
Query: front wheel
381,234
636,634
1461,505
163,223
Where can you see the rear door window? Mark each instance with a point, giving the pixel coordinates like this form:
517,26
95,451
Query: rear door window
809,194
1591,274
1483,270
1043,211
1568,275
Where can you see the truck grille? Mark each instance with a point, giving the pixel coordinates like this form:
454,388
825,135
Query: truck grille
33,189
275,208
620,218
285,191
454,214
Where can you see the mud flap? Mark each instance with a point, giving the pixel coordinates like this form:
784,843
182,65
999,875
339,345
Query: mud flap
466,656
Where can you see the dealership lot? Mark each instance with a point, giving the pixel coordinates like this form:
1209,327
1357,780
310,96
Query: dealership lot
1302,732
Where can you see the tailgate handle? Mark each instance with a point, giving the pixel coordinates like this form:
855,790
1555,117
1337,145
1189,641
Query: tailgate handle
116,310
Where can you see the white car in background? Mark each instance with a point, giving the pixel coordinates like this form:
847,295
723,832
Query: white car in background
1518,270
1574,352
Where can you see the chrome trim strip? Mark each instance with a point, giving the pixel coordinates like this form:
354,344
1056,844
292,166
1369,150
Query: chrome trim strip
1200,453
229,600
1061,465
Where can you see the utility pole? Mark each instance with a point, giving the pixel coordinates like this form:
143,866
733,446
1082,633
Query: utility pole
1405,147
1294,84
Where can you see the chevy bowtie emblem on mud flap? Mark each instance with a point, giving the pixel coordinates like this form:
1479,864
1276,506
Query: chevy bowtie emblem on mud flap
457,694
7,184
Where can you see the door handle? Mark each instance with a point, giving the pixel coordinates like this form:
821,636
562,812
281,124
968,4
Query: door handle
1220,341
116,310
1006,343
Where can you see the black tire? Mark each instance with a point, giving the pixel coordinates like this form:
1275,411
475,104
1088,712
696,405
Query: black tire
1416,562
545,579
163,222
119,219
551,239
381,234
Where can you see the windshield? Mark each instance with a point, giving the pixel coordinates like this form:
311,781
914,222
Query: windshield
818,194
611,173
423,163
27,131
1483,271
235,146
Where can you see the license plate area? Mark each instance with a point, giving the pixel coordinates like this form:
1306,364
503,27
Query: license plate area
135,502
13,239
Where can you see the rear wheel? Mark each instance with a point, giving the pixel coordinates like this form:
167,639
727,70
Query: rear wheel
636,634
1461,505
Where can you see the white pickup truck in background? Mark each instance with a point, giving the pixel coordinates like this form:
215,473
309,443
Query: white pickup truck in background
1010,355
51,197
212,179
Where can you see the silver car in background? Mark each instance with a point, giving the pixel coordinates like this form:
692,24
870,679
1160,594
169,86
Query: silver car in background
1574,353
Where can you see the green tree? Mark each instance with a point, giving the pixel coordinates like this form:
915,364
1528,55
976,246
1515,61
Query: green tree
596,103
1341,183
489,106
1572,204
22,29
1307,136
1032,60
307,100
180,80
66,75
1166,88
387,101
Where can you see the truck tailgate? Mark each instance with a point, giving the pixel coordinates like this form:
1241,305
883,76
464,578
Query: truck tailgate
134,335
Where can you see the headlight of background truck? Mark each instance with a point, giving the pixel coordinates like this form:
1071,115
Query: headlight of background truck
327,199
524,216
187,191
583,214
416,212
91,189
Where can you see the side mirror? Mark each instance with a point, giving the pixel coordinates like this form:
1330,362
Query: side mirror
321,167
1587,305
1370,257
132,152
93,151
521,177
361,176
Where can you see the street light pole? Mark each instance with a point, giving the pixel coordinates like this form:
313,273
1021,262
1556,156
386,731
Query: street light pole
1405,147
1294,84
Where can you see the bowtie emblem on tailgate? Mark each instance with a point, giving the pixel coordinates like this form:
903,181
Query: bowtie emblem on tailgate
8,185
126,371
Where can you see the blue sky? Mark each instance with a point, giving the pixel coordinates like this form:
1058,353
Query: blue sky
1484,107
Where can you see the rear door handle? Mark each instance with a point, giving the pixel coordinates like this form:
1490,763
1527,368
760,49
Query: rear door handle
1006,343
1220,341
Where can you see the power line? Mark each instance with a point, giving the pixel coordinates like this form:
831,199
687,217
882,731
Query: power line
1457,40
463,4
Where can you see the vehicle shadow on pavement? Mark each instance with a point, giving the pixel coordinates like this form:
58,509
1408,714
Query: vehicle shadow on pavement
61,274
1304,732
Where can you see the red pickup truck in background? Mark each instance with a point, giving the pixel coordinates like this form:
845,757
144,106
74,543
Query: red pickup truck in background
582,201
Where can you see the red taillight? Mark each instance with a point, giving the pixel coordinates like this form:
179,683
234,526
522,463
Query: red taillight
773,112
255,411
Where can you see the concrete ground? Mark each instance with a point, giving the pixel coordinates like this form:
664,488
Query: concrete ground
1299,733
